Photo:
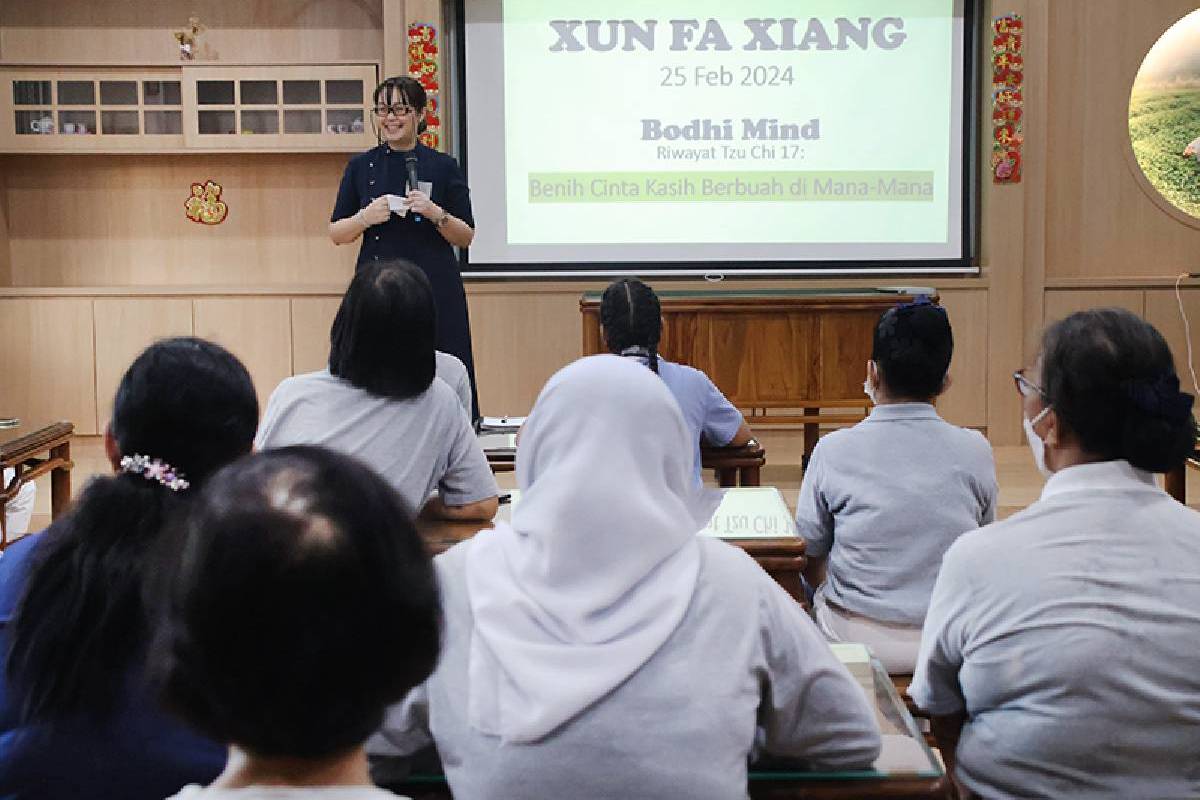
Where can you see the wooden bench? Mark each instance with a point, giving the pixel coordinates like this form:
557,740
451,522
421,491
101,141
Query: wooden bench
47,450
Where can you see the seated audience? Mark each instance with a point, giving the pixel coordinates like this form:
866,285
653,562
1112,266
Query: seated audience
1059,650
303,604
882,501
18,511
451,370
598,647
78,716
631,324
380,401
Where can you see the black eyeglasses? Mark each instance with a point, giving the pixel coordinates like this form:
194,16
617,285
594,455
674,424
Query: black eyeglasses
398,110
1026,387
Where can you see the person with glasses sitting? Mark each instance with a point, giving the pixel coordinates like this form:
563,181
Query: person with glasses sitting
421,223
1058,656
881,501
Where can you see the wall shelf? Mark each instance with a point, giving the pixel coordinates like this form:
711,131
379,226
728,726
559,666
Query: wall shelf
186,109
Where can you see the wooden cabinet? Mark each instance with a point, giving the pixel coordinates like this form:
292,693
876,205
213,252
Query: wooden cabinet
279,108
190,108
79,109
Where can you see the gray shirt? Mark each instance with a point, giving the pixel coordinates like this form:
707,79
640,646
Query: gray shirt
885,498
745,658
454,373
419,445
1069,634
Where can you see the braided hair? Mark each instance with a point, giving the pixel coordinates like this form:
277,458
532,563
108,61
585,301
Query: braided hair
632,320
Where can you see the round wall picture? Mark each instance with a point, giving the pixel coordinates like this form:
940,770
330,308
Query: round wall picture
1164,115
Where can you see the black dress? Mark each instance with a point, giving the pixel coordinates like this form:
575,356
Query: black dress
381,171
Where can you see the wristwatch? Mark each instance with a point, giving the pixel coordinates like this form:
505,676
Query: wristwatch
442,220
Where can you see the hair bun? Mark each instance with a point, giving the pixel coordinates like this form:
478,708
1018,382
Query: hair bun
1159,396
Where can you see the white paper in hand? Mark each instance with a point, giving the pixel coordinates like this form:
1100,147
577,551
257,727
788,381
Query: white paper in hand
398,204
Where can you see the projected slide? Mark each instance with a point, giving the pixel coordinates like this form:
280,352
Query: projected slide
763,130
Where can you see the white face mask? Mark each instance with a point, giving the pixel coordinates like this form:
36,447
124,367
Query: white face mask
1036,444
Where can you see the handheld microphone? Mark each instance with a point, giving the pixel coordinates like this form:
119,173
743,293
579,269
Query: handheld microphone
410,164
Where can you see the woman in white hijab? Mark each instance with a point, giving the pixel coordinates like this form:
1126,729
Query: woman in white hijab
598,647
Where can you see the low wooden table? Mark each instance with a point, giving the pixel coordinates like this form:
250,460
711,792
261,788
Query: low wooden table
47,450
734,466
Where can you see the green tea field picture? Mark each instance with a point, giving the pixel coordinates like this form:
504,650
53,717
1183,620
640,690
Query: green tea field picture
1164,115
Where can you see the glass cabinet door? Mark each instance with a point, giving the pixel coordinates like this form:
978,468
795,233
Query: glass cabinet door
71,109
279,108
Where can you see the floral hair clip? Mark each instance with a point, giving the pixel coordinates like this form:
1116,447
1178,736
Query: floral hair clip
152,469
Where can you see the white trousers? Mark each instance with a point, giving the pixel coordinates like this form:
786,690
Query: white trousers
19,510
896,646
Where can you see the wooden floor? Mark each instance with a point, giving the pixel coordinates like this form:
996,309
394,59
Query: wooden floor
1020,483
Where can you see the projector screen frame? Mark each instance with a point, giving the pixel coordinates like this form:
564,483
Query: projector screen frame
454,20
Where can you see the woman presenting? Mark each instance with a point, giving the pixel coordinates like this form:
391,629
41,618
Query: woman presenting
429,218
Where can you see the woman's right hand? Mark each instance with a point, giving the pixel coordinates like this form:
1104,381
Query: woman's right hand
376,212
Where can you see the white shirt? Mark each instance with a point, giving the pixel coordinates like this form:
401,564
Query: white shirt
454,373
744,659
884,499
707,412
419,445
1069,634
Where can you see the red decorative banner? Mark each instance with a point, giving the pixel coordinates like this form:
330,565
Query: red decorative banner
205,206
1008,82
423,65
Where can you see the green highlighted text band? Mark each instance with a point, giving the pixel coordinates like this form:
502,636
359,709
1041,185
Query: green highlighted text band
699,187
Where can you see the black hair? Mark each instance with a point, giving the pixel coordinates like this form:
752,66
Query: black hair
80,625
632,318
1111,380
405,88
911,348
302,604
384,336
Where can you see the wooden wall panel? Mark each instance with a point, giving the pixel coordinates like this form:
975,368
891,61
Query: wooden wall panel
311,318
965,403
256,330
124,327
1100,222
5,249
257,31
1162,311
519,341
46,362
1004,214
1062,302
120,221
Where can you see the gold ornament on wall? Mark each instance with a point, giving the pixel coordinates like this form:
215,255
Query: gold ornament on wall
205,206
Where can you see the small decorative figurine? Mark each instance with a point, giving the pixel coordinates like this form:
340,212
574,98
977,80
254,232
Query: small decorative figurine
187,39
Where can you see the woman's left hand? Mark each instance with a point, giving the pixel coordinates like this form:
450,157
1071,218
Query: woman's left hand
419,203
